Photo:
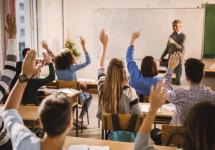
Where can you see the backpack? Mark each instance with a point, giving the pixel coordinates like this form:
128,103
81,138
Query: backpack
123,136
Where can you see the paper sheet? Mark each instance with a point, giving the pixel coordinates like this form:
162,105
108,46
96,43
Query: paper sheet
86,147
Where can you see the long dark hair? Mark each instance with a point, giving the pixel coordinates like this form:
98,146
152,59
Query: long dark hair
64,60
200,127
149,67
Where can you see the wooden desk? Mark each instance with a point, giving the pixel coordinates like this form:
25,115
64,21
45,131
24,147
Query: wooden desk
162,117
112,144
92,86
29,115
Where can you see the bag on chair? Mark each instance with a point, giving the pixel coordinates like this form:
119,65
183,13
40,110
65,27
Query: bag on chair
123,136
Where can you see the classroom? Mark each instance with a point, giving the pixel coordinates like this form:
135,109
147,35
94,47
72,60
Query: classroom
107,74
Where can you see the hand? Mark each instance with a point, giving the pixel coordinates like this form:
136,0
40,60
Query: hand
45,45
174,60
157,97
28,66
47,58
134,36
83,85
82,41
38,70
10,28
103,38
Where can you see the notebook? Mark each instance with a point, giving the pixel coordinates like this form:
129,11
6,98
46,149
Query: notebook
87,147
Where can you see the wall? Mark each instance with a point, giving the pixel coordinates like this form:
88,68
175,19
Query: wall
79,18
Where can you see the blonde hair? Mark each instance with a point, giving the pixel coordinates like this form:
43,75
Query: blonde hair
113,86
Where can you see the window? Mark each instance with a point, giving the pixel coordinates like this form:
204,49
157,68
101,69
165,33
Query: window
22,19
22,32
21,6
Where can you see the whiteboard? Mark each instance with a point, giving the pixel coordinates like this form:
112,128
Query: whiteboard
155,26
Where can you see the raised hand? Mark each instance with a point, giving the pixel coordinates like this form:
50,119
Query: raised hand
134,36
44,45
10,27
47,58
157,96
174,60
28,66
103,38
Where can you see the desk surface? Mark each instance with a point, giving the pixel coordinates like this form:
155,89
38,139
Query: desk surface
163,112
28,113
113,145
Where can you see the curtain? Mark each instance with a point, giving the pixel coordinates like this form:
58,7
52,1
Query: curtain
9,6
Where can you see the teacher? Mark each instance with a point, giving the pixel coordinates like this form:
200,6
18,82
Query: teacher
174,44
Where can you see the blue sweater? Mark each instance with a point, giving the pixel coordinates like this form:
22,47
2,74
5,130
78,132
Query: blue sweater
140,83
70,74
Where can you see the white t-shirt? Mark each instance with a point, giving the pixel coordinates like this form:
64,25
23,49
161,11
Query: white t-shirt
22,138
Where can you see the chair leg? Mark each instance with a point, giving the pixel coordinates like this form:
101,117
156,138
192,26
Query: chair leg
98,123
88,120
82,124
76,121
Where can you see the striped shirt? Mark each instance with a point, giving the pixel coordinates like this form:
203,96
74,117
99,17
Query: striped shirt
7,75
129,102
185,99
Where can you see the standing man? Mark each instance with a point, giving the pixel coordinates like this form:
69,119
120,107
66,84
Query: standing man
175,43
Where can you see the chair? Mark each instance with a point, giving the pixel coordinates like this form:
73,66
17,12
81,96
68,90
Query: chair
75,85
172,135
124,121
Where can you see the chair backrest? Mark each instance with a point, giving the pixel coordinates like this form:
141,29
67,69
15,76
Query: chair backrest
68,84
124,121
172,135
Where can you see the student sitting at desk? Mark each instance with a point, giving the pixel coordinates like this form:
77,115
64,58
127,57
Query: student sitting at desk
55,115
114,93
184,99
66,69
141,80
199,129
30,95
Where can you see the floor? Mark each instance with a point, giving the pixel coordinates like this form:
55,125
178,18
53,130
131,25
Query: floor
92,130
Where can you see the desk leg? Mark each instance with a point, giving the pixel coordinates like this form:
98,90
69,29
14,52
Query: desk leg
76,121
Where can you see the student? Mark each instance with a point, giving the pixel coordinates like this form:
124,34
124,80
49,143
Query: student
54,113
141,80
19,63
115,94
199,129
175,44
30,95
66,69
184,99
7,75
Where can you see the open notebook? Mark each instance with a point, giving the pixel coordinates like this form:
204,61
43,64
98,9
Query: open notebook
87,147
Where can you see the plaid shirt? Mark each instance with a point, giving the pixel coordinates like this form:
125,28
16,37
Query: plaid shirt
185,99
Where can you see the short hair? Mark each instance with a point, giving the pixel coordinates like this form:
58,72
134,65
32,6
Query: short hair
24,52
55,114
149,67
200,127
176,22
194,70
64,60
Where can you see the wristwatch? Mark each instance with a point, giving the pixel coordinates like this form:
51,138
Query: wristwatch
23,78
